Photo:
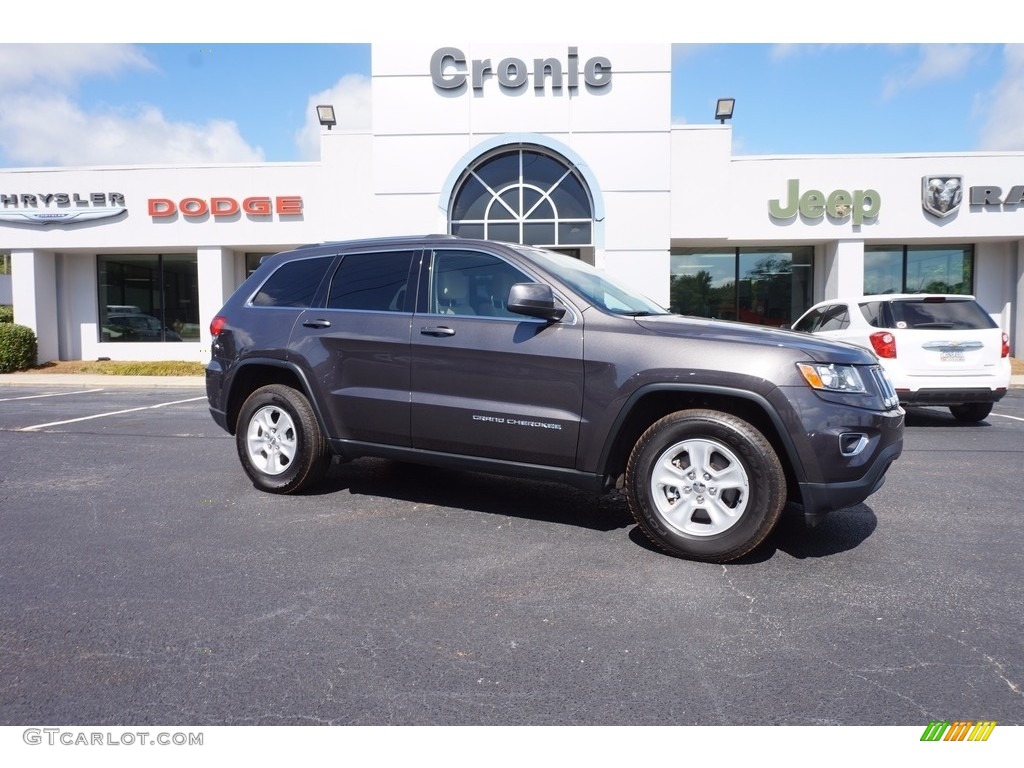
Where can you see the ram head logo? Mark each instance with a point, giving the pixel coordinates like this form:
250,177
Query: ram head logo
941,195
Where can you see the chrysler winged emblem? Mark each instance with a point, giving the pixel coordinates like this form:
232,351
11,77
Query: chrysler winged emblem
941,195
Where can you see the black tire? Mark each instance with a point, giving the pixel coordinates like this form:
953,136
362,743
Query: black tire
717,514
971,411
279,441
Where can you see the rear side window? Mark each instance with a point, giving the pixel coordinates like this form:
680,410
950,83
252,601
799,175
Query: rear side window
371,281
809,323
950,314
294,283
836,319
872,311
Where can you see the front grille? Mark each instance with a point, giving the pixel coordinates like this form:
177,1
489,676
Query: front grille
889,396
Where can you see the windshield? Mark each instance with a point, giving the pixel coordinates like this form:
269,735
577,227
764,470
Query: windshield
595,286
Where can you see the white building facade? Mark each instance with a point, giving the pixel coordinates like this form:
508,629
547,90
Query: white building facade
567,146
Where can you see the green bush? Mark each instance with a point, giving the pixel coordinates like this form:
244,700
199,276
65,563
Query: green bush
18,347
6,314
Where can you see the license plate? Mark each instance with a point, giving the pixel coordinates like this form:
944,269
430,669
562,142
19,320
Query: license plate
952,356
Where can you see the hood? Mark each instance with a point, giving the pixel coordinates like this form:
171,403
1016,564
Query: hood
816,348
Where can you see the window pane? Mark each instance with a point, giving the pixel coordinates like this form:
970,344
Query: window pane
471,201
574,233
765,288
181,296
148,298
506,233
540,170
939,270
371,281
294,283
468,283
571,199
704,284
538,234
499,171
468,230
883,271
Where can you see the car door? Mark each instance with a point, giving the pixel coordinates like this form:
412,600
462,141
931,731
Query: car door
486,381
356,347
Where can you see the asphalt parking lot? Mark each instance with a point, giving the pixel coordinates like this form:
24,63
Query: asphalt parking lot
145,581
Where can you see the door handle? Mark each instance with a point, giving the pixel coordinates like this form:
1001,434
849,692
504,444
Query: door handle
317,324
437,330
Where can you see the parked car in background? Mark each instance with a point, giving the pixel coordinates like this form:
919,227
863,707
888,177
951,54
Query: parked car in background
938,349
136,327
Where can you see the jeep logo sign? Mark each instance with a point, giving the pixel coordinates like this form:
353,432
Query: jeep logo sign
859,205
449,70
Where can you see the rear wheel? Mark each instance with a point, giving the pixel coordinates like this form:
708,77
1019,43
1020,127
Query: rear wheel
279,440
705,485
971,411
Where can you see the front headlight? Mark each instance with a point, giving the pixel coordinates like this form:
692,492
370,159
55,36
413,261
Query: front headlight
832,378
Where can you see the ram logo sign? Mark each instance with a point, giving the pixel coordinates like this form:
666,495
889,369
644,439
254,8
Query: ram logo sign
941,195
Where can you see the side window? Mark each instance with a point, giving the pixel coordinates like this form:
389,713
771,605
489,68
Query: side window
371,281
836,318
472,283
871,311
808,323
294,283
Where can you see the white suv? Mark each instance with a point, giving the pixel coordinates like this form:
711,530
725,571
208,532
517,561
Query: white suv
937,349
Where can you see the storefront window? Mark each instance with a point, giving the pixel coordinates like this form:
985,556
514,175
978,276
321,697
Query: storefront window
765,286
526,196
918,269
148,297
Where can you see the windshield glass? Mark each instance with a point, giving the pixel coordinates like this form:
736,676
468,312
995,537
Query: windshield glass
594,285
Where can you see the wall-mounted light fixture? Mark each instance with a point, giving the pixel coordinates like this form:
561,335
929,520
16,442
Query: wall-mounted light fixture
723,110
325,113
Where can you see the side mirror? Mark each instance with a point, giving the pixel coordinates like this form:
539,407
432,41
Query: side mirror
534,300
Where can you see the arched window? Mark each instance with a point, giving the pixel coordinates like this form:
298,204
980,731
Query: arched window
523,195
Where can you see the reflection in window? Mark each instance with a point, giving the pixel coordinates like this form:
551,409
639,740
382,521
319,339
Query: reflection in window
523,195
371,281
766,286
918,269
148,297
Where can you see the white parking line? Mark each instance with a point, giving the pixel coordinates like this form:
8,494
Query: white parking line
112,413
1004,416
51,394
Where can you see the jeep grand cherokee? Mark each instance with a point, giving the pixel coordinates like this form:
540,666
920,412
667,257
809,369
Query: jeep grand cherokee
509,359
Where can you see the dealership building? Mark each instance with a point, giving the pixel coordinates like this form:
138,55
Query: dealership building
570,147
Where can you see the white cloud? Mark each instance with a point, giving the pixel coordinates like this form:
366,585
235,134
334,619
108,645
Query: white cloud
56,131
46,66
42,124
1004,126
351,99
936,63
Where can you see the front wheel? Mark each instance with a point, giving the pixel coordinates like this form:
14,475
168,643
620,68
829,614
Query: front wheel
971,411
279,440
705,485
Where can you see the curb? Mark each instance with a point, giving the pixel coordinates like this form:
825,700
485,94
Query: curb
98,380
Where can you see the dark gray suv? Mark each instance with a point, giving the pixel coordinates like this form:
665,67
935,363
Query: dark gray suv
509,359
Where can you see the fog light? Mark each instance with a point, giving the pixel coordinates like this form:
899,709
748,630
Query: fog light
852,443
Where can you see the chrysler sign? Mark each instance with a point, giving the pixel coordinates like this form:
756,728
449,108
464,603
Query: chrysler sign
60,207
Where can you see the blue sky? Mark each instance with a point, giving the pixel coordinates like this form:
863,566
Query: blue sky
800,89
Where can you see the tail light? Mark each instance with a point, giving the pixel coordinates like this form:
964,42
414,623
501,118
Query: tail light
1006,346
884,344
217,325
